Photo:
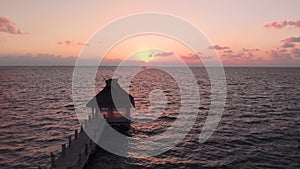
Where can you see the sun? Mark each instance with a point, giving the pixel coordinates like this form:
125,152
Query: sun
145,55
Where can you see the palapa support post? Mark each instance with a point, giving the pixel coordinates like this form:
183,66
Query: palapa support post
52,156
76,134
97,113
86,150
85,123
70,141
81,129
93,113
63,150
89,118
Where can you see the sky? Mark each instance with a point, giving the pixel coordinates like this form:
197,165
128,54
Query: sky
240,33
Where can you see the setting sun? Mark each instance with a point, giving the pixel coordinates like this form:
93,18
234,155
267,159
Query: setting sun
145,55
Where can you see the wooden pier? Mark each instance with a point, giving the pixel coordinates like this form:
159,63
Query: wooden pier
75,154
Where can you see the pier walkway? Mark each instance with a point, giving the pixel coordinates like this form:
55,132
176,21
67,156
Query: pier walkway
76,153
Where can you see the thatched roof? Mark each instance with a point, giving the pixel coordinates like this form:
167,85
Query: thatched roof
112,96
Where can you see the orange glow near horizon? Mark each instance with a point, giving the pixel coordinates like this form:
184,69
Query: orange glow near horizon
146,48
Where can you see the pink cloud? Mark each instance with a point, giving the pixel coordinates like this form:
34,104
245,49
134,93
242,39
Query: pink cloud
295,52
82,44
237,55
242,55
282,24
7,26
68,42
287,45
278,54
195,57
249,56
250,50
228,51
217,47
291,39
190,57
164,54
71,43
282,50
289,42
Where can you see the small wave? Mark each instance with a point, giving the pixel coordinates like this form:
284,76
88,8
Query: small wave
167,118
202,108
70,107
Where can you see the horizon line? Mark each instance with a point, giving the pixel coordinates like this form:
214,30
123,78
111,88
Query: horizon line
151,66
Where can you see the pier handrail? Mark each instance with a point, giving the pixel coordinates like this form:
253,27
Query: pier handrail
84,153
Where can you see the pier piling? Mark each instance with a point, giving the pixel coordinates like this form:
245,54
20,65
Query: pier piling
70,141
63,150
86,150
76,134
52,160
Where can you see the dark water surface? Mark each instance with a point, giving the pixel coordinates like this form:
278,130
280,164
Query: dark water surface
260,127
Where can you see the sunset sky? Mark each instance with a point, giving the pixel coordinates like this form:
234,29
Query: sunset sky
243,33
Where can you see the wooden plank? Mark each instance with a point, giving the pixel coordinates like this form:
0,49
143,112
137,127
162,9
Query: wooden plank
71,157
76,154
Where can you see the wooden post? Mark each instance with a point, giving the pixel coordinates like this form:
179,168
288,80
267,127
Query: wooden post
89,118
52,160
97,113
76,134
85,123
63,150
86,150
70,141
93,112
79,159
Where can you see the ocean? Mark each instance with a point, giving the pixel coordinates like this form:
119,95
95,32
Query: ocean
259,128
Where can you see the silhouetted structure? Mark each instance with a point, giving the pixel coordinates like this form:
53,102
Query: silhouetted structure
114,103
